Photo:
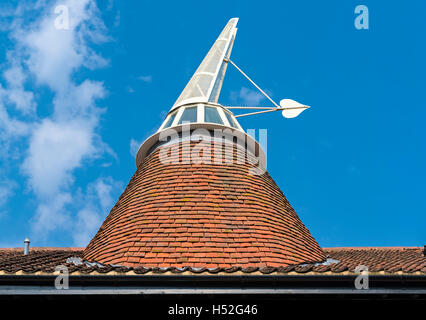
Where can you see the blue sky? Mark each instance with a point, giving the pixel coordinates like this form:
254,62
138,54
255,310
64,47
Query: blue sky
74,104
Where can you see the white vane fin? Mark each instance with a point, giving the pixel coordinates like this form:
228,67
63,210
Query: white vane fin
206,83
292,108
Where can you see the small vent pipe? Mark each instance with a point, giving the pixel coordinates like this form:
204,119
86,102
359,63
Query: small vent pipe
26,246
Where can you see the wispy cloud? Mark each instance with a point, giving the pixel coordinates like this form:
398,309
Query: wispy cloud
99,199
4,194
146,78
63,141
247,97
7,188
51,214
117,19
56,149
14,93
134,147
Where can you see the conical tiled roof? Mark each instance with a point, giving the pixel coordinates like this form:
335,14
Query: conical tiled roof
202,215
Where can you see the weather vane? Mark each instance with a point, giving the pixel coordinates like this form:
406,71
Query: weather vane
198,102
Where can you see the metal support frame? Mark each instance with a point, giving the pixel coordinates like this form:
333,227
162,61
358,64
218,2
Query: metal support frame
226,59
267,109
270,110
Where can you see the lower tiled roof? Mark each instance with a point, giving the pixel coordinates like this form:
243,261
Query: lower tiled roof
409,261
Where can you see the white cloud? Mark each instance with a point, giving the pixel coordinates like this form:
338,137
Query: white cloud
248,97
4,194
56,149
78,102
134,147
16,94
51,215
117,19
62,142
99,199
88,221
52,148
6,190
54,54
10,127
146,78
14,97
105,190
11,130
